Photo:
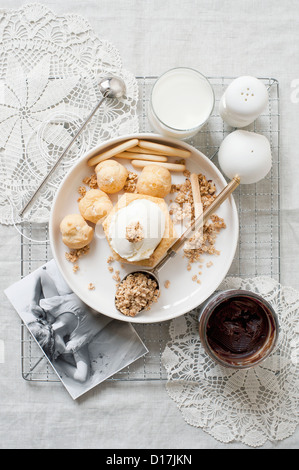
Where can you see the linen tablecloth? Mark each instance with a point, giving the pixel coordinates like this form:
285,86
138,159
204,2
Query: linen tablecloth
219,39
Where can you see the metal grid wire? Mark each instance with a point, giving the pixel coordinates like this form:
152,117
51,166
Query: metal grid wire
258,251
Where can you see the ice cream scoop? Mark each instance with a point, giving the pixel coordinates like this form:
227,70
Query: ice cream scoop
136,230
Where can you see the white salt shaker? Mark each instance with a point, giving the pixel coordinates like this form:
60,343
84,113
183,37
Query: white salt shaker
243,101
246,154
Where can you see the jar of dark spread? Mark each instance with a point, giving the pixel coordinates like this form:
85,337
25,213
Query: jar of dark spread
238,328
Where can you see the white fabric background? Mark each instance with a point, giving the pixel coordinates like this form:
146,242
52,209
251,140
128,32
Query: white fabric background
228,38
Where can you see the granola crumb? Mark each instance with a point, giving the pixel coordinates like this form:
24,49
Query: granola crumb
110,260
134,232
110,269
73,255
182,211
194,278
135,293
204,240
91,181
209,264
131,182
166,284
82,190
75,268
116,276
91,286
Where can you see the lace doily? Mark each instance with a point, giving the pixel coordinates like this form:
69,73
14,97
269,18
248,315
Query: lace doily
49,69
249,405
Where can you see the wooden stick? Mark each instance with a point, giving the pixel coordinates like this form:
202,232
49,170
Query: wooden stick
112,152
140,156
196,195
170,166
164,149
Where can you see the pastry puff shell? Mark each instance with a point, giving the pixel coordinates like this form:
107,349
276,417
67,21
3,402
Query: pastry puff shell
95,206
76,233
154,180
111,176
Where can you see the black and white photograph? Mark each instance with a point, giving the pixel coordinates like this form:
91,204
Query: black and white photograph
83,346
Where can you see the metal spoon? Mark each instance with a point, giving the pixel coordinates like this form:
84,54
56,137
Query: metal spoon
110,87
197,224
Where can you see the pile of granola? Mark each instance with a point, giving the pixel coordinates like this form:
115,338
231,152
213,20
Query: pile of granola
135,293
182,211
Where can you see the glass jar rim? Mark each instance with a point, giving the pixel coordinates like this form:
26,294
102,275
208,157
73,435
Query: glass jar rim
209,307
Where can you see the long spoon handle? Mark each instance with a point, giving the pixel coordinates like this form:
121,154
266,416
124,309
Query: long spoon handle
61,156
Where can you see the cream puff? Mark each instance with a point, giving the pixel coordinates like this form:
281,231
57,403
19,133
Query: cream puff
95,206
76,233
111,176
155,181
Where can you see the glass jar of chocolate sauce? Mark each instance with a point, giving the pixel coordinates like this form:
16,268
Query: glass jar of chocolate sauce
238,328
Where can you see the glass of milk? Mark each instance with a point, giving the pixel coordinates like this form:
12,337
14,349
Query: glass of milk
181,102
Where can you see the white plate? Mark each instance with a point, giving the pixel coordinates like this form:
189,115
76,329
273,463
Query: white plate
183,294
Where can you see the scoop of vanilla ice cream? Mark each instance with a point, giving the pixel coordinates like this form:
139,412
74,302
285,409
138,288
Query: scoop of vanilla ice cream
151,219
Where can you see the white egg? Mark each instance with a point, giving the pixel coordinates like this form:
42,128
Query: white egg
243,101
246,154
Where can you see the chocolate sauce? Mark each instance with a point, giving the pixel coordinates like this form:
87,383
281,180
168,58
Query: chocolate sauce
238,327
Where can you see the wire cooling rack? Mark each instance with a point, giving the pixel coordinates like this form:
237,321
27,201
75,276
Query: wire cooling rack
258,251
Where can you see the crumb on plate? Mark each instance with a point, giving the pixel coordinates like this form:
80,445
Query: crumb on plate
75,268
73,255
